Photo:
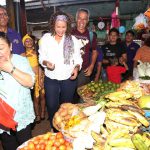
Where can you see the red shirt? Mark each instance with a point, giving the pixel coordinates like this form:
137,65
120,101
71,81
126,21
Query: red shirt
85,36
114,73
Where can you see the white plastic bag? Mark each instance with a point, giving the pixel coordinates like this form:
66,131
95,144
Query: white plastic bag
140,22
135,74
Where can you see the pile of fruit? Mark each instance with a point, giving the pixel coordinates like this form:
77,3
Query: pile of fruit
94,90
121,140
48,141
64,116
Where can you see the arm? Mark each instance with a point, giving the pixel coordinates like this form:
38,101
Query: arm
89,70
43,60
99,67
23,78
137,57
135,63
125,65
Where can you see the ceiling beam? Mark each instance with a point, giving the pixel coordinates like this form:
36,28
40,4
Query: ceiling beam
49,3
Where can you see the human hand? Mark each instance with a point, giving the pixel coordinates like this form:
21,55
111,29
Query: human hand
96,78
121,60
88,71
74,74
5,64
50,65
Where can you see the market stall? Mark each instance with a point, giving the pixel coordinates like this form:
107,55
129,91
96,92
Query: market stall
113,117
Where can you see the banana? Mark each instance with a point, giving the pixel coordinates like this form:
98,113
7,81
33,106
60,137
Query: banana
146,138
119,95
140,117
139,142
97,147
129,121
122,142
97,137
132,108
112,125
104,131
122,148
117,112
116,134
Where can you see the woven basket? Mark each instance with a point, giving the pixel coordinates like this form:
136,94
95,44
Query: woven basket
86,98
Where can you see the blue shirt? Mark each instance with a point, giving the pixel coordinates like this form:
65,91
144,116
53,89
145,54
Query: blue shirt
131,52
100,54
15,39
18,96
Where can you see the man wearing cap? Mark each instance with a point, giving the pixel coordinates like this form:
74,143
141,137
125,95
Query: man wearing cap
14,37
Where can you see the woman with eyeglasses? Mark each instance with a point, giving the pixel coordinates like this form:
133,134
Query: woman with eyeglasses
17,80
59,54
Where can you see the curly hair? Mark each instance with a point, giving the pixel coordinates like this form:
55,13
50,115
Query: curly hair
53,21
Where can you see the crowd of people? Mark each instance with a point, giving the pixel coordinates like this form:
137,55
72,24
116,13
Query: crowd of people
36,77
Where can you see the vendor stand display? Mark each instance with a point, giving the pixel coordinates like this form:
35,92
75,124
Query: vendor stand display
113,120
118,121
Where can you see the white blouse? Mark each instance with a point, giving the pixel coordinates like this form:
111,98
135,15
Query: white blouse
52,51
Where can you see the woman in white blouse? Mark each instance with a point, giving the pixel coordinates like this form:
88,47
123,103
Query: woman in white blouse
59,54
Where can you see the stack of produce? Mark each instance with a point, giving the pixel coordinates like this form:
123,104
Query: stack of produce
123,120
48,141
65,113
94,90
121,140
111,124
81,122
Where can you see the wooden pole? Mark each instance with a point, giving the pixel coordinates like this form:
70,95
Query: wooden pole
23,17
10,11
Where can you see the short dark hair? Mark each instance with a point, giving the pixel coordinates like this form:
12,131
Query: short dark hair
113,60
114,30
130,32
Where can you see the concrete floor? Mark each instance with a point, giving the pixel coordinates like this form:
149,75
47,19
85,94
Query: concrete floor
38,129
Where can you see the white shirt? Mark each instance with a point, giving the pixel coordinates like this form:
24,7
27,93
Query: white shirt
52,51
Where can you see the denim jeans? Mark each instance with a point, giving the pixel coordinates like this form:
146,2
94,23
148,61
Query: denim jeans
58,92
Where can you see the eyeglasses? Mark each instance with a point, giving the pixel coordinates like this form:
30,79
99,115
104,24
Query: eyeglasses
3,15
1,76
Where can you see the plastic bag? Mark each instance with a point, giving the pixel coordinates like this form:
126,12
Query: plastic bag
135,74
140,22
6,115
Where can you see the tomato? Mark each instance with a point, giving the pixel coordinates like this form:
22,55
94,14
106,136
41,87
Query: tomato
62,147
54,148
69,147
62,140
56,143
59,135
48,147
67,143
52,137
50,143
37,147
31,145
42,146
47,135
